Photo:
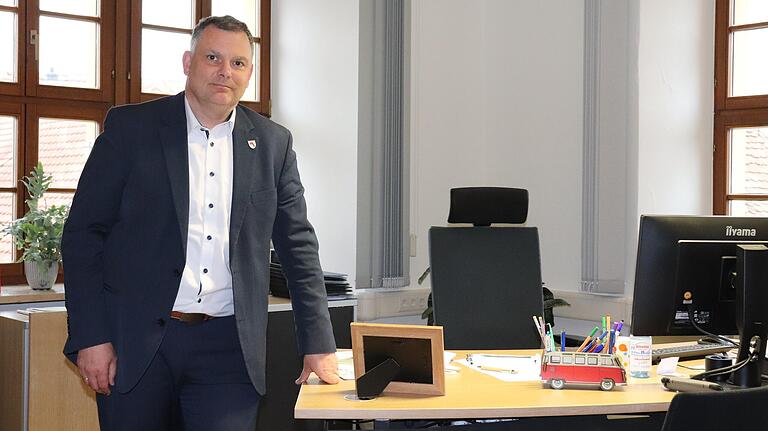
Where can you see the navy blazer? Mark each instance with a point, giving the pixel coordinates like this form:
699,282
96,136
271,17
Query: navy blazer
124,241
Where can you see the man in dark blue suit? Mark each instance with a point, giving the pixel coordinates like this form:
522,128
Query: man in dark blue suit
166,251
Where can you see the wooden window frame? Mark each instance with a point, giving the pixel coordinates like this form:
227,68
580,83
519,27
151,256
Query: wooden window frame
730,112
17,88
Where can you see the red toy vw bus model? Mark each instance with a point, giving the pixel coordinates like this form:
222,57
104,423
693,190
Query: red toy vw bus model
581,368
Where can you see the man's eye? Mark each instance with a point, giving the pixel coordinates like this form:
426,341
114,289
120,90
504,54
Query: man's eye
211,57
239,64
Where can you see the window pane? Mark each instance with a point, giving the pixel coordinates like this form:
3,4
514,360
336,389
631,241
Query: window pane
8,138
57,199
73,7
252,92
246,11
748,160
62,65
168,13
8,47
749,63
749,11
7,205
161,68
64,146
748,208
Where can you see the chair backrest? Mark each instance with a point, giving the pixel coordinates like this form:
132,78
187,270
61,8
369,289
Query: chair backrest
742,409
486,285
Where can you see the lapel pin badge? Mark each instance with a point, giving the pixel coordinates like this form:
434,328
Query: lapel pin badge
252,144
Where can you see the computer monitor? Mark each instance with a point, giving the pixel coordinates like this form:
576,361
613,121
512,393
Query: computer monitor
689,263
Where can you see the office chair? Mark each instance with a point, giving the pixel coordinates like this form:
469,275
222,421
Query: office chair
486,281
742,409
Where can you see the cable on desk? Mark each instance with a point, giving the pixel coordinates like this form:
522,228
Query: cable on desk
700,329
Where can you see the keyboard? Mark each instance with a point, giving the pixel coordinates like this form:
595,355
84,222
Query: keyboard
689,351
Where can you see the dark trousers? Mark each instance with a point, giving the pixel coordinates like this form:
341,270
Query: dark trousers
196,381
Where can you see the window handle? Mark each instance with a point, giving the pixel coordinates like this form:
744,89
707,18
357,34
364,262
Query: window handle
34,39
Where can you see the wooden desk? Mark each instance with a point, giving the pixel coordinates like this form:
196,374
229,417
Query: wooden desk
41,390
24,294
474,395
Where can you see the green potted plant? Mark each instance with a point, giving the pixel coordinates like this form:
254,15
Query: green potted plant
39,232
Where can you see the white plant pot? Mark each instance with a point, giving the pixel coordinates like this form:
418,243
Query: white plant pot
41,275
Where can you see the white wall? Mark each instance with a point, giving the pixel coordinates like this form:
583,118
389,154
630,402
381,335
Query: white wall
497,100
675,94
672,154
314,88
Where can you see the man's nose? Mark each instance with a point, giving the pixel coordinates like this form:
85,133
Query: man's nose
225,70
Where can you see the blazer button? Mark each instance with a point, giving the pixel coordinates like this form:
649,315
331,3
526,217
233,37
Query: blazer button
161,321
176,272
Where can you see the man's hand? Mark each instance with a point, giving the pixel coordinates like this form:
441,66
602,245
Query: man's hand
98,365
323,364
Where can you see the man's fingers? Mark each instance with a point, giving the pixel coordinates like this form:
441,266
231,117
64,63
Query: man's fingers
112,372
328,376
303,377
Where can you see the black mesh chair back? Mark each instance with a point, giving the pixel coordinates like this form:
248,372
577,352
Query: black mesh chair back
743,409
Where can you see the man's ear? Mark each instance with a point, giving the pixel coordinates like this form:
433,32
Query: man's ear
186,60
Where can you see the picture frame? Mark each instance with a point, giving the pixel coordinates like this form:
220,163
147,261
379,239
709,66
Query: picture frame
418,350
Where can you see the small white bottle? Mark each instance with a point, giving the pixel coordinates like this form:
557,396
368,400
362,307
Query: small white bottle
640,356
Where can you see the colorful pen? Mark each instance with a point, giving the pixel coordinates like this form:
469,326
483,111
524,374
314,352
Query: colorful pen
562,341
588,339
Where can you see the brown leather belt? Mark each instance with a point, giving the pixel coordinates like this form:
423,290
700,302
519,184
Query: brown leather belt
191,318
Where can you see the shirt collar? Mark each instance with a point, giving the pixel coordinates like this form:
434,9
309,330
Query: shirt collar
193,125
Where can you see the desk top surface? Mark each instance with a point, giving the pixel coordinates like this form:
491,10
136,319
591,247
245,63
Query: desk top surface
471,394
23,294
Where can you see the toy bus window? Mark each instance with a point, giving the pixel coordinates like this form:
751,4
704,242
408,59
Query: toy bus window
554,359
579,360
567,359
591,360
606,361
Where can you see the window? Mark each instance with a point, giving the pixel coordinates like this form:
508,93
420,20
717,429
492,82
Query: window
63,64
592,360
579,360
741,108
160,34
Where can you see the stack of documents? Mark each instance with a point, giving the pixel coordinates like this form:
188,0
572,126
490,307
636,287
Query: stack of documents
336,284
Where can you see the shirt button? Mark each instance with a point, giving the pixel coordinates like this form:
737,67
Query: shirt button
211,144
205,270
199,300
209,237
211,174
210,205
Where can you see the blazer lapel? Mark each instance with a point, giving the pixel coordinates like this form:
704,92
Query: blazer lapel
244,167
173,136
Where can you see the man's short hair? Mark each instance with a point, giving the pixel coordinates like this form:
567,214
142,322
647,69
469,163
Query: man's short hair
226,23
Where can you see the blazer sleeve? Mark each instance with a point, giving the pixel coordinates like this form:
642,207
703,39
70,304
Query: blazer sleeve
93,213
296,244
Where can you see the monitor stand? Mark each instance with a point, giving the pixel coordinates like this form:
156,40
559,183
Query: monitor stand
751,313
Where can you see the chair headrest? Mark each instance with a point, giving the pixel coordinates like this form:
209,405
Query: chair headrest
482,206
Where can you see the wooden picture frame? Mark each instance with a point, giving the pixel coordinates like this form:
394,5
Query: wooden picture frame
423,346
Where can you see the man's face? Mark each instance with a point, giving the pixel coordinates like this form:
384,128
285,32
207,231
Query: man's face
220,67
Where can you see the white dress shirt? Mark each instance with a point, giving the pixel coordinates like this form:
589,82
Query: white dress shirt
206,283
